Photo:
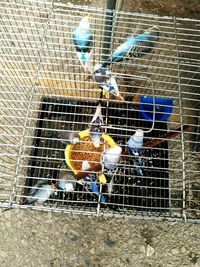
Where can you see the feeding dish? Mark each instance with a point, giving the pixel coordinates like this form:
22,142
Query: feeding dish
163,108
69,149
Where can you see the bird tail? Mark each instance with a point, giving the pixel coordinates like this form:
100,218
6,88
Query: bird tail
110,187
85,59
97,114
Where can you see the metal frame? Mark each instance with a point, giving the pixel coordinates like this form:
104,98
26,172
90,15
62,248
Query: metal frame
37,60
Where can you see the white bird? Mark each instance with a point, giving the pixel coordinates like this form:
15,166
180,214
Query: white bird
110,159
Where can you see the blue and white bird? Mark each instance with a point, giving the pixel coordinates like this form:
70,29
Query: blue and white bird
40,193
96,127
136,46
83,41
135,148
110,160
90,185
89,182
106,80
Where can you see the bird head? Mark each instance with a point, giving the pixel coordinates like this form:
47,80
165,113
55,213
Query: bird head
23,200
138,136
153,31
68,187
76,139
136,141
85,23
97,68
96,140
139,133
61,185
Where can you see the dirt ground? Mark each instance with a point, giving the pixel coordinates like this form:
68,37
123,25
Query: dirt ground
181,8
32,238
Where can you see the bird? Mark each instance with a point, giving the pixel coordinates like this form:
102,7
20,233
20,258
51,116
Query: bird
111,157
95,127
66,182
135,148
90,185
135,143
107,81
89,182
40,193
110,160
83,40
67,137
135,46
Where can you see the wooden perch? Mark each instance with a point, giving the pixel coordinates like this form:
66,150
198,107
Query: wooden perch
169,135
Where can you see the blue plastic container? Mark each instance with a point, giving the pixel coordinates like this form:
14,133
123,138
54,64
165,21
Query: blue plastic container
163,108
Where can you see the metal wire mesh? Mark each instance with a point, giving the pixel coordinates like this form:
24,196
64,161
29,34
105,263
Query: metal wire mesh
43,88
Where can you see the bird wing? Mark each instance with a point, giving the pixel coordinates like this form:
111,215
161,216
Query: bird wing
83,40
36,187
140,50
122,51
144,44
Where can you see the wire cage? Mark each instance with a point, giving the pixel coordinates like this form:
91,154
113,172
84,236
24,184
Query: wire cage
44,89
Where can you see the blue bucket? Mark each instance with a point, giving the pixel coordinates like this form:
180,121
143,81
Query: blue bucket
163,110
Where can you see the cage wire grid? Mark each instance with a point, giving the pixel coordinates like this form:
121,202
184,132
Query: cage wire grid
44,89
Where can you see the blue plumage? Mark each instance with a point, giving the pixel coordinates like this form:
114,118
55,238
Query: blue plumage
135,148
83,41
122,51
90,185
135,46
